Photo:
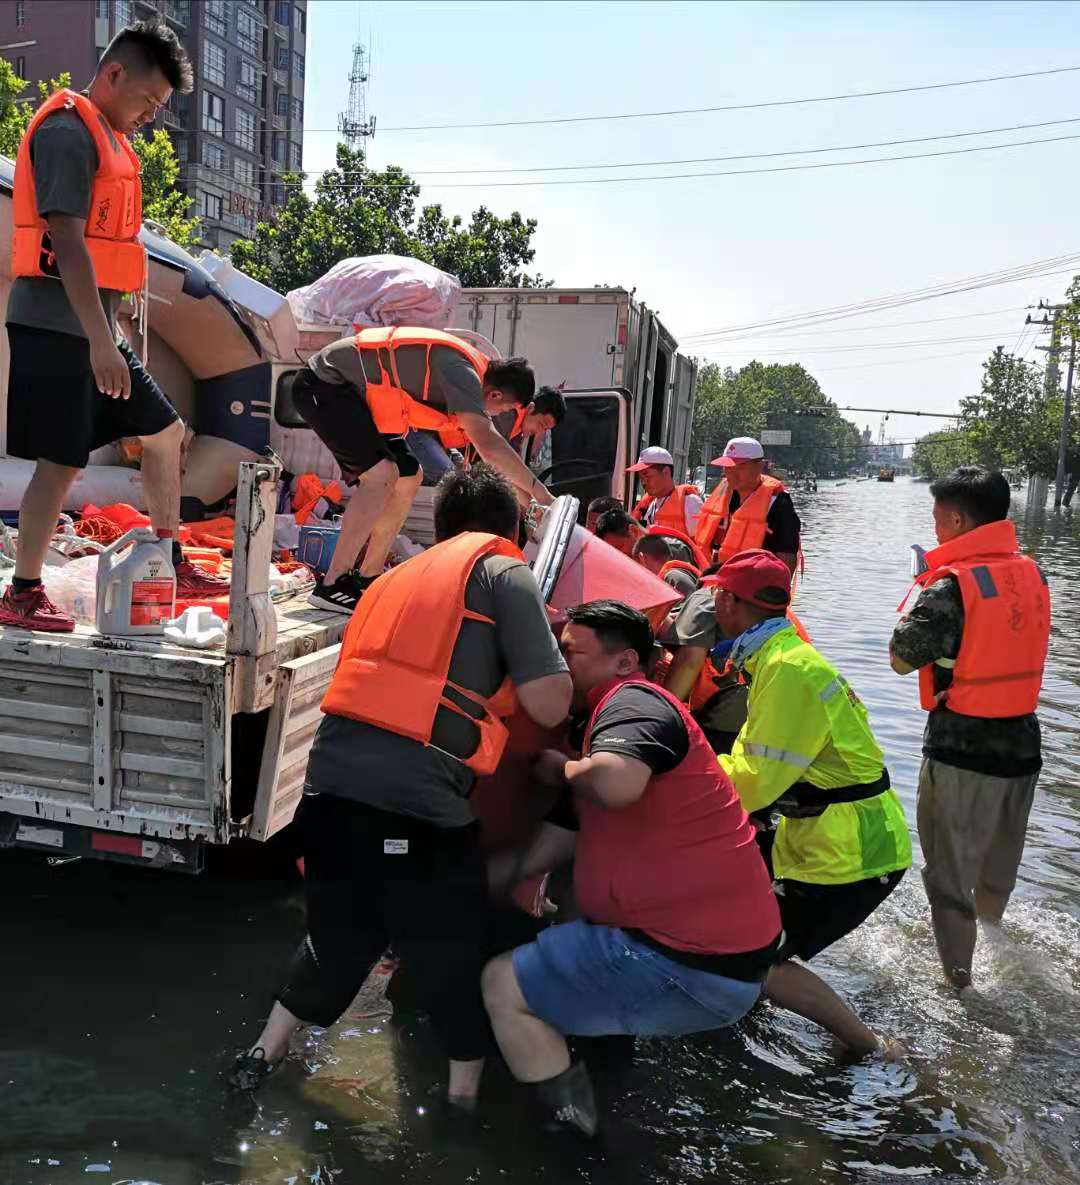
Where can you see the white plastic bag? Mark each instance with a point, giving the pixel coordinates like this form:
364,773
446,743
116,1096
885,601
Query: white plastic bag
378,290
73,588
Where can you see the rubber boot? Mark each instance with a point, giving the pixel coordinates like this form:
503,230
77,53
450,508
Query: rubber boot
569,1097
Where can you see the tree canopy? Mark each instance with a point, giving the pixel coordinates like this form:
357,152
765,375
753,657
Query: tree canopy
778,396
355,210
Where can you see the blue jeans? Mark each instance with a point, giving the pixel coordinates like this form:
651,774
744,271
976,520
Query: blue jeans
593,981
427,448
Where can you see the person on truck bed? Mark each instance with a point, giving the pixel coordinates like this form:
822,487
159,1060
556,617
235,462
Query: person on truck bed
74,383
619,529
748,509
664,503
439,651
362,394
598,507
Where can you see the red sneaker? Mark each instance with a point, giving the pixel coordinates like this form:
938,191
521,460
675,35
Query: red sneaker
193,584
32,610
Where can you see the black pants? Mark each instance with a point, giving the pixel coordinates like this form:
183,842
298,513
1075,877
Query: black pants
374,879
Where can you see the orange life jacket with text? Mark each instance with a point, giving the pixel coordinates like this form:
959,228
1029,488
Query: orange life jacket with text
672,511
115,217
999,668
393,408
744,530
394,668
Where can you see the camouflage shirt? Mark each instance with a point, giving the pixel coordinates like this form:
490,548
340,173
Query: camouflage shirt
1008,747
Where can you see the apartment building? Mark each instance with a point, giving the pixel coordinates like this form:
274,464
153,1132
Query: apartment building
238,132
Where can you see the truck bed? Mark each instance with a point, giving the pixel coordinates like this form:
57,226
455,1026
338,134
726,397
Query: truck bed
137,736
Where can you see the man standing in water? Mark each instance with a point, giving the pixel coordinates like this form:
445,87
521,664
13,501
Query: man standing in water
807,753
439,651
978,637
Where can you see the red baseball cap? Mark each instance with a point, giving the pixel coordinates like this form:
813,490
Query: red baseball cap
757,577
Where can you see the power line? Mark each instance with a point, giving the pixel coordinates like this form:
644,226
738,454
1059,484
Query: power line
861,347
900,90
1056,265
701,160
837,164
786,333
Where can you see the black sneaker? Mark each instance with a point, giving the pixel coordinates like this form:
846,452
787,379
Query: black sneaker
342,596
250,1071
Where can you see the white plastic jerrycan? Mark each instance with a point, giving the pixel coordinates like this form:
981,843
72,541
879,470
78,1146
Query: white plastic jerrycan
136,594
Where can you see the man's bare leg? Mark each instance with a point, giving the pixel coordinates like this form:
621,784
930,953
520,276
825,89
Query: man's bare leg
534,1051
464,1083
955,934
799,990
991,906
367,503
41,506
388,525
279,1030
161,476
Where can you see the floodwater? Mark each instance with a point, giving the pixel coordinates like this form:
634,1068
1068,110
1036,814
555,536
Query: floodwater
123,993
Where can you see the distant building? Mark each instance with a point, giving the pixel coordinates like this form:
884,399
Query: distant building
240,129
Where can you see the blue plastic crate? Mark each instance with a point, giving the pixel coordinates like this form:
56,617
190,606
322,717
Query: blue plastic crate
316,547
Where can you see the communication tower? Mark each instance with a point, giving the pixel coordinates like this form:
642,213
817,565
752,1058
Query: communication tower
355,125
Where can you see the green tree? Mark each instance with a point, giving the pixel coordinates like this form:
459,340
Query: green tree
939,453
355,210
1011,422
163,203
16,113
772,395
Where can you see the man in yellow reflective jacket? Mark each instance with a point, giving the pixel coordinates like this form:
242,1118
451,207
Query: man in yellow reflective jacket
807,753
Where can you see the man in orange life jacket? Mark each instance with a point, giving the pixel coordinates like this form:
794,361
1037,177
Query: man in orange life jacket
978,637
664,503
748,510
74,384
362,394
438,653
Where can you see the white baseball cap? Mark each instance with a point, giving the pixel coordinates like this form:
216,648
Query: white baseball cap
653,455
741,448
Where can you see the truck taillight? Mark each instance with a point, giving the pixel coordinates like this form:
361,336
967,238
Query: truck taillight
122,845
621,334
567,299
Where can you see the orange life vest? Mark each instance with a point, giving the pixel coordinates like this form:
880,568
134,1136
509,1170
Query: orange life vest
742,531
679,566
672,512
701,560
115,218
705,687
394,410
999,668
454,436
394,667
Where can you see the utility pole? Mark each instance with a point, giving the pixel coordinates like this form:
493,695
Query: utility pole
1050,382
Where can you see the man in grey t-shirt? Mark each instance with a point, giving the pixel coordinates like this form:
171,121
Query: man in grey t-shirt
391,849
692,633
332,396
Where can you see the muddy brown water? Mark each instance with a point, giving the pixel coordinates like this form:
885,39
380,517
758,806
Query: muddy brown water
123,993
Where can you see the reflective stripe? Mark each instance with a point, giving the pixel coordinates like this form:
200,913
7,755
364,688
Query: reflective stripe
985,581
832,690
947,663
775,754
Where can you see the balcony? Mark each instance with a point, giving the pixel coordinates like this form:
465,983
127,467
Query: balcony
179,12
281,77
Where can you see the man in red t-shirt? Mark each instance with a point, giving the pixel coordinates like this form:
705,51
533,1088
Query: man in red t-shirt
667,876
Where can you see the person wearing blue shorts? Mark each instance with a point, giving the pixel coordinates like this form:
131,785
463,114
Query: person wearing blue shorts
679,923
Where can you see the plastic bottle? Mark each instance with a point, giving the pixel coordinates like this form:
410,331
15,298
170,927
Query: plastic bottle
136,594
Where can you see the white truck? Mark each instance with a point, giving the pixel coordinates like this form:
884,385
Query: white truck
137,750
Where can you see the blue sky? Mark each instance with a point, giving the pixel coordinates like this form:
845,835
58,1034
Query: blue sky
713,252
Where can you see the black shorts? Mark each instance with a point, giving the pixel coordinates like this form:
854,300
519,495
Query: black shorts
816,916
55,411
340,417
